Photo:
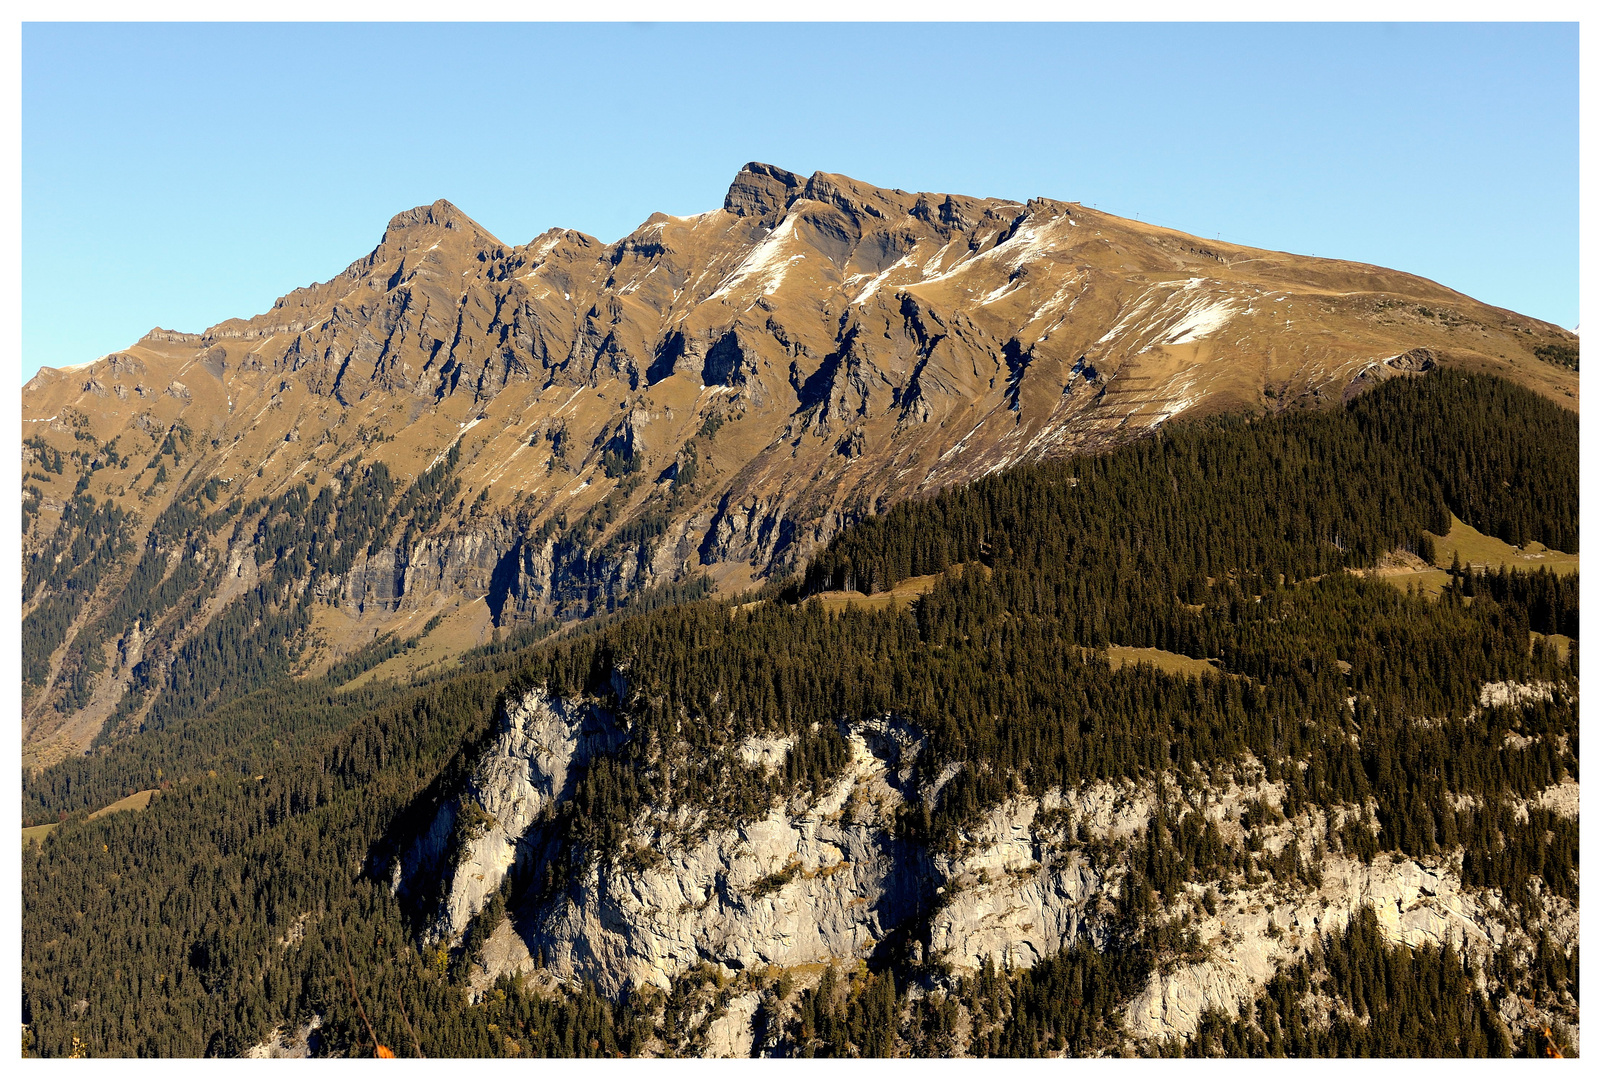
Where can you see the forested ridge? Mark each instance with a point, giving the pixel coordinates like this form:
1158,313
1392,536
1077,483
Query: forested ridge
1297,495
158,932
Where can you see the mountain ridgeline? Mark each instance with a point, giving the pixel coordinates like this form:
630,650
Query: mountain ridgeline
792,824
507,438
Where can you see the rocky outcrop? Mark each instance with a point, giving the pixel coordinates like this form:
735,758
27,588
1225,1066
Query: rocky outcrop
296,1043
1414,360
732,1034
1017,894
522,578
761,190
1505,694
1258,931
823,878
377,583
800,885
474,841
174,337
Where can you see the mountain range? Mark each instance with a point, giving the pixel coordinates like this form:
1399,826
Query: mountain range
696,407
845,623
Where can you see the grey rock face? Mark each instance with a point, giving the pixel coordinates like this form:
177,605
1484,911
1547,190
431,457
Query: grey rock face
529,768
732,1035
1257,931
1015,895
280,1044
824,878
376,584
791,888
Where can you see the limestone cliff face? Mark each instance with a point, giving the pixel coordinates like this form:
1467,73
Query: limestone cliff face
801,885
826,878
474,840
1258,931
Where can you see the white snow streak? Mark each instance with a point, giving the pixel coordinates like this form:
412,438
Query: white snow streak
1022,246
465,428
1005,290
1184,315
633,286
1202,320
1051,304
872,286
1137,310
766,260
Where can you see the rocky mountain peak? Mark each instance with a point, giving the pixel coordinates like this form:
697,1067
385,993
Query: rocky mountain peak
760,190
855,198
438,214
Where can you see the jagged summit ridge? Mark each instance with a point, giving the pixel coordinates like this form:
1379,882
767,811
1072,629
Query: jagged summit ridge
763,191
440,213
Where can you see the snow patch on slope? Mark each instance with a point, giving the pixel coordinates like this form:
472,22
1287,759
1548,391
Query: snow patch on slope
1174,313
766,261
872,286
1200,317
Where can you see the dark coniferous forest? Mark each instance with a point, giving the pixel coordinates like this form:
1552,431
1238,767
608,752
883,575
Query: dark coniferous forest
251,893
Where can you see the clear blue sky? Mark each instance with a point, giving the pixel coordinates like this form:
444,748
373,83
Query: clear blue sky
183,174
